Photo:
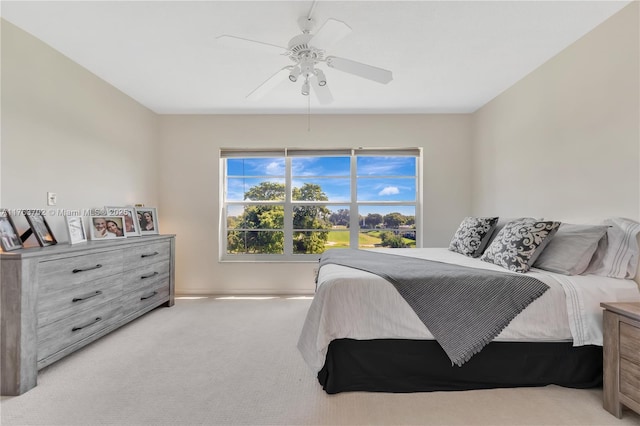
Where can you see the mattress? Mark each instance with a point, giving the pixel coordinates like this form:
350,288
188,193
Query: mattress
355,304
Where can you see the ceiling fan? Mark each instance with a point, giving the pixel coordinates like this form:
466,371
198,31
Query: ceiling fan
307,51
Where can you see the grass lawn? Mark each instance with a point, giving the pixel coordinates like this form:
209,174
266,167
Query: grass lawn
340,239
369,239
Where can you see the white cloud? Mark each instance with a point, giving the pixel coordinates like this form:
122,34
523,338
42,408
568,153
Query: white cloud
275,168
389,190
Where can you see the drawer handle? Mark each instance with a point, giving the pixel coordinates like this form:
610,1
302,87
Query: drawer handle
150,254
95,321
148,276
75,271
149,296
77,299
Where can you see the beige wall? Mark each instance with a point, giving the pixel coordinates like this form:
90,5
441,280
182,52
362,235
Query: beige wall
67,131
189,197
564,142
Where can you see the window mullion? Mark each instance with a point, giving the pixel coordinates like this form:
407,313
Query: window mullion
354,230
222,175
418,216
288,209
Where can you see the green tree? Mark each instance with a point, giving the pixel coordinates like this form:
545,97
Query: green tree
389,239
265,216
340,217
372,220
394,220
265,191
268,221
232,222
258,217
310,217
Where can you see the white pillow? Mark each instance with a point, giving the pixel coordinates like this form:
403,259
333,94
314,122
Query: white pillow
617,252
571,249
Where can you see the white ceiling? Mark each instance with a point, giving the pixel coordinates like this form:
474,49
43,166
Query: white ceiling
446,56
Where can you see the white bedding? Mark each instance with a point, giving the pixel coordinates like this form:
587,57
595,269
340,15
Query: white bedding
350,303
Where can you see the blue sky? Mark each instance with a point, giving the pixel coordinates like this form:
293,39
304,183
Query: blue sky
371,187
322,166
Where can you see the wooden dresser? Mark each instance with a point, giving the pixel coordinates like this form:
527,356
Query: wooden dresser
621,373
57,299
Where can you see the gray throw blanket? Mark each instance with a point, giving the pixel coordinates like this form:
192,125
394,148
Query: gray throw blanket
464,308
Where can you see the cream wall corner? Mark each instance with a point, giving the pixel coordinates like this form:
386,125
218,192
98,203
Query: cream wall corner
67,131
564,142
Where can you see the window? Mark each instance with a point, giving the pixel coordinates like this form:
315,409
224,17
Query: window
294,204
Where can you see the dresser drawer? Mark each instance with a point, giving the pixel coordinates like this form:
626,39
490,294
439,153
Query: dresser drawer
145,276
60,334
57,299
145,297
58,303
630,342
630,379
67,272
142,255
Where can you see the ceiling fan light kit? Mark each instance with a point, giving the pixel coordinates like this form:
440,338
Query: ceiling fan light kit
321,78
307,51
305,88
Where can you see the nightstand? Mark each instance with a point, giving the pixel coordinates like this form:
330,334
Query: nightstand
621,375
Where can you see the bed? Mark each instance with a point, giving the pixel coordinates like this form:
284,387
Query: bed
360,334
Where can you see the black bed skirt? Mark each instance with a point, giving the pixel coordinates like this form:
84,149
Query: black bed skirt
393,365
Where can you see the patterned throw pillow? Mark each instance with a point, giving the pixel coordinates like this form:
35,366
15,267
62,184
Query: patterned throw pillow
519,244
472,235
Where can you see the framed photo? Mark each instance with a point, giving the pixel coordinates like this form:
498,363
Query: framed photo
148,220
9,238
131,223
106,227
41,229
75,229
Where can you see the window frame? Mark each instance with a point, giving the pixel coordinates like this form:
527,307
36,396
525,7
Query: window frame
288,204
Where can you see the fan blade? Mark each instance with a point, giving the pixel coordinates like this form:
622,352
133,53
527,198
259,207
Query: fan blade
267,85
329,34
233,41
322,92
363,70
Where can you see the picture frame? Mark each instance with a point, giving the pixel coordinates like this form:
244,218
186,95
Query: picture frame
131,223
41,229
104,228
75,229
9,237
148,220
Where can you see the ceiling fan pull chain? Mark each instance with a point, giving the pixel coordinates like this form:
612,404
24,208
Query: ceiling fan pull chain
313,6
308,113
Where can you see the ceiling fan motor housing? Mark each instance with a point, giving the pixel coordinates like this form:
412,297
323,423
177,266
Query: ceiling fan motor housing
305,55
301,51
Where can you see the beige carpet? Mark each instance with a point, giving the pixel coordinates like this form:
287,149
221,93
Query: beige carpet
224,362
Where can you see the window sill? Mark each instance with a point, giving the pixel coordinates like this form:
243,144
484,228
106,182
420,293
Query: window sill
313,258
